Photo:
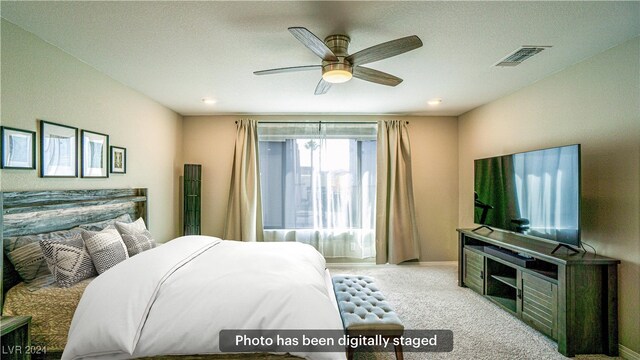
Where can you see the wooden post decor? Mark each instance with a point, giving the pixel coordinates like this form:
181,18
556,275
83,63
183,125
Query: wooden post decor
192,194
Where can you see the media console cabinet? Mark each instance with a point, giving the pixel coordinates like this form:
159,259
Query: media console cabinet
573,299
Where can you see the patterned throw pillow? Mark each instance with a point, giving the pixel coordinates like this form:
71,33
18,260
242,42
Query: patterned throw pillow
26,255
136,236
101,225
105,247
68,260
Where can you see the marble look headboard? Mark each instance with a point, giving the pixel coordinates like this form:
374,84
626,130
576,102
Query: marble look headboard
35,212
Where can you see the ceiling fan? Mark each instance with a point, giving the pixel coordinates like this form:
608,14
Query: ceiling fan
338,66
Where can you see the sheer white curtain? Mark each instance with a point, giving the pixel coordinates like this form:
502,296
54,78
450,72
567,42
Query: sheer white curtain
318,186
540,178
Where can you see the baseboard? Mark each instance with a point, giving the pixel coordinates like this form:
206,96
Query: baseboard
330,265
627,353
417,263
436,263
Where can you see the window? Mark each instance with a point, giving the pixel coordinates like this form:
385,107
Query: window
318,186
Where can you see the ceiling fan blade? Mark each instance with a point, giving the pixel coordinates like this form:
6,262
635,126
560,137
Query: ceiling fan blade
322,87
385,50
375,76
287,69
308,39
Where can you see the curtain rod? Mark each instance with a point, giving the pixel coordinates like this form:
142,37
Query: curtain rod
319,122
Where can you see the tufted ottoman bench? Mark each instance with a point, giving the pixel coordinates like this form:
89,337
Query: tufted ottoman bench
364,310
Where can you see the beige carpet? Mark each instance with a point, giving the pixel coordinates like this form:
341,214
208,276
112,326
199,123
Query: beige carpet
428,297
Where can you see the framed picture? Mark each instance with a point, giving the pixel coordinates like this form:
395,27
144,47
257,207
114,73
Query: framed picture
95,152
118,160
58,150
18,148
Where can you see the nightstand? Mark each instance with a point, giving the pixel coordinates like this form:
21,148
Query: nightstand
16,342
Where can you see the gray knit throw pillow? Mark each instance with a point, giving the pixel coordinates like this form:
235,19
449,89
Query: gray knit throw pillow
136,236
105,247
68,261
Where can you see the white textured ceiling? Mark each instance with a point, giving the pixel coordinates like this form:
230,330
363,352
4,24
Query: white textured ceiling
179,52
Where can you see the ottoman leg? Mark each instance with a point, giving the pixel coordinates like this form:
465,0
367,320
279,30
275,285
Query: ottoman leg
398,349
350,352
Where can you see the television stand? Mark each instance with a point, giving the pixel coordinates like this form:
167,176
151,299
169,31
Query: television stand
566,246
571,298
482,226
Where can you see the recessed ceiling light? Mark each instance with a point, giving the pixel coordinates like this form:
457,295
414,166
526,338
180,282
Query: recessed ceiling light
434,102
208,101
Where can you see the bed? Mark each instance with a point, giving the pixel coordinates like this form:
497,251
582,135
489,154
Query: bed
26,213
95,303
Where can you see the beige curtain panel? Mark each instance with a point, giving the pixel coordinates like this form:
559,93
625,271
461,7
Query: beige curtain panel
396,232
244,212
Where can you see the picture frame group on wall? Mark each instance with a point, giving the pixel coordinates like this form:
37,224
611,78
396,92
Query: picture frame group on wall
95,154
59,146
18,148
58,150
118,160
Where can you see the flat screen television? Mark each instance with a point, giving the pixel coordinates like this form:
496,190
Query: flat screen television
534,193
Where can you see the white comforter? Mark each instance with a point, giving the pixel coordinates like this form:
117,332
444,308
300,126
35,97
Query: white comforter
175,299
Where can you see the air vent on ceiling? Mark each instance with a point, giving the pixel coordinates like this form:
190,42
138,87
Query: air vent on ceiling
520,55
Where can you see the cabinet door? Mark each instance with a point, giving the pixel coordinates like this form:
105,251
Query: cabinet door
540,304
474,271
15,344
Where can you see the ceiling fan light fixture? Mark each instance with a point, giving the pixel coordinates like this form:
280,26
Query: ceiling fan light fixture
337,73
337,76
338,66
